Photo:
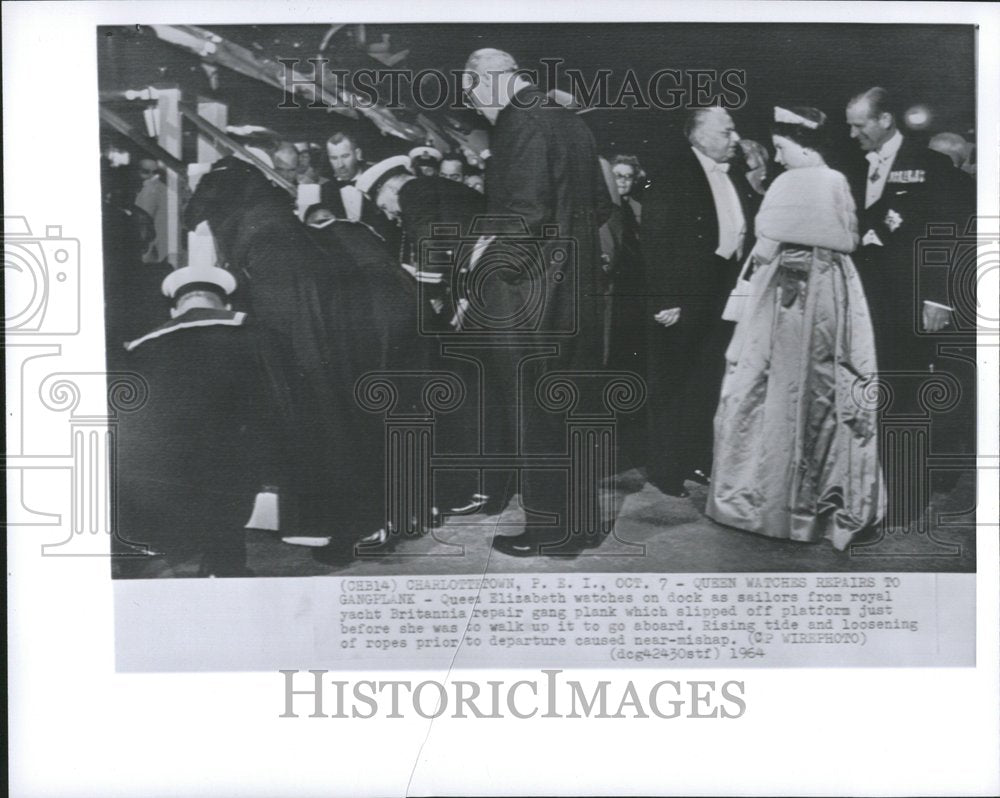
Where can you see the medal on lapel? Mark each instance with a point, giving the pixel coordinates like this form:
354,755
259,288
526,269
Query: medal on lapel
893,220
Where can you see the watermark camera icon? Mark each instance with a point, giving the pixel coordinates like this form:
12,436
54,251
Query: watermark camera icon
967,262
501,278
41,279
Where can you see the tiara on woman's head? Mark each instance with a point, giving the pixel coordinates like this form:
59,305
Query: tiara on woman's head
792,118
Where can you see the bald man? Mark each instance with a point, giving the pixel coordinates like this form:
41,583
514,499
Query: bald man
543,176
697,226
952,145
286,162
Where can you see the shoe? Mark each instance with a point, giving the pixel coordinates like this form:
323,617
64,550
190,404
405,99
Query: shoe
313,541
476,503
375,539
678,491
700,477
380,542
522,545
528,545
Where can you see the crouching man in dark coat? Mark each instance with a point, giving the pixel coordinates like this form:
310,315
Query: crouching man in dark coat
328,321
437,214
193,457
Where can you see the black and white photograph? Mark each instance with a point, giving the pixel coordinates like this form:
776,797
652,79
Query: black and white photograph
641,363
476,359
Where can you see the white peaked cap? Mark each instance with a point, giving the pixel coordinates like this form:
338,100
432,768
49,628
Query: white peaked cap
257,153
187,275
374,174
425,152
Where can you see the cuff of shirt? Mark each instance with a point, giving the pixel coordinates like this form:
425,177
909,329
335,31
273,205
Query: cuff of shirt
939,305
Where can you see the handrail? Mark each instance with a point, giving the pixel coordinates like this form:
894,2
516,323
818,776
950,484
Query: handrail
151,147
207,128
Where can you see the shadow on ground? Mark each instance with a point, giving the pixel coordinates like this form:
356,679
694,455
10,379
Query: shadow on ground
654,533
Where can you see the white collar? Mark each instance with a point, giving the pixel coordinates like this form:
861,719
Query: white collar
708,164
888,149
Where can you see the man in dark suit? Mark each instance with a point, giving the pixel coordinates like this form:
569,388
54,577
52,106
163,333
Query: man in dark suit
696,228
899,187
544,180
340,194
429,210
191,459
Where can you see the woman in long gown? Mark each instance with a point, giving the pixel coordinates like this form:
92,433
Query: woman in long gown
796,432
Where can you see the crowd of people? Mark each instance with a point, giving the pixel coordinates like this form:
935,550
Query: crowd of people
755,304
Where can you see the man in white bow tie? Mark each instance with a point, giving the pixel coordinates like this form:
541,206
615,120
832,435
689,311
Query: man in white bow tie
697,225
900,187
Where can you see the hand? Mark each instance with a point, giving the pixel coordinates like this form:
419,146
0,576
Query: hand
668,317
935,318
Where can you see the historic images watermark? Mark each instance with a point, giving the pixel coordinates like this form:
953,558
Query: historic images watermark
41,280
41,313
665,89
543,696
927,419
503,280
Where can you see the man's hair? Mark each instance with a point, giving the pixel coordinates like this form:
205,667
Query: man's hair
454,156
951,144
488,61
205,290
697,117
287,155
879,102
340,137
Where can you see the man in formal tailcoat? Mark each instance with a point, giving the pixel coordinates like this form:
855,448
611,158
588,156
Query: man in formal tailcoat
697,226
899,187
544,179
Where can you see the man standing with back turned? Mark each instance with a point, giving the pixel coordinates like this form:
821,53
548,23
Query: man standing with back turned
544,176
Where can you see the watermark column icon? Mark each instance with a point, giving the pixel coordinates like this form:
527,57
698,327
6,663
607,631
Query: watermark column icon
93,401
42,311
409,401
591,402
